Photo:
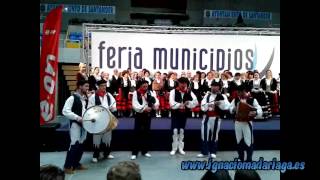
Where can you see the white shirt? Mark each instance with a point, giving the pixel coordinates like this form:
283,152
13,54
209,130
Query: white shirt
141,107
224,104
148,79
268,81
202,81
77,133
108,83
196,85
125,82
158,80
104,102
67,112
225,83
171,83
176,105
209,82
238,82
133,83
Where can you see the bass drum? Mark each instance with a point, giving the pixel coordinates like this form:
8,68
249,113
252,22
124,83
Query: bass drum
96,119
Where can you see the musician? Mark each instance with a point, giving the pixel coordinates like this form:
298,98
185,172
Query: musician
102,141
243,129
181,101
213,103
73,109
143,101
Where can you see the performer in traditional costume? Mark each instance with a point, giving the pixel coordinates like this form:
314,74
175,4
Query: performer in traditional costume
102,141
213,104
143,101
73,109
181,101
245,109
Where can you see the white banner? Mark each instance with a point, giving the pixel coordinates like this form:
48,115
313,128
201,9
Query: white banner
185,52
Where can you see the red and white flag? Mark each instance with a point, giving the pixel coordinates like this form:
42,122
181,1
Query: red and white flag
49,64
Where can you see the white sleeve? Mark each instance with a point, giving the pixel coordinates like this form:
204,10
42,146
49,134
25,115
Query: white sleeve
258,107
224,103
135,104
204,105
157,103
232,107
91,101
113,104
172,102
194,101
67,112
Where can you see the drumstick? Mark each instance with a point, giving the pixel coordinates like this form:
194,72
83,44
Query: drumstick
92,120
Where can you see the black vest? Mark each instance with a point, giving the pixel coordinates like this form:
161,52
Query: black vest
77,108
187,97
150,99
97,99
218,97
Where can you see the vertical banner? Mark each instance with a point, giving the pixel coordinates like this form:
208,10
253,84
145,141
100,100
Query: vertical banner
49,64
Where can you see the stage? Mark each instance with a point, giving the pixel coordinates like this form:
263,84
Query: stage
159,167
266,135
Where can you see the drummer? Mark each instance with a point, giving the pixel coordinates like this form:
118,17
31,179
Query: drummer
102,141
73,109
243,129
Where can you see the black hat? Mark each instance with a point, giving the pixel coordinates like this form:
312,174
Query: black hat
183,80
81,82
215,83
141,82
102,81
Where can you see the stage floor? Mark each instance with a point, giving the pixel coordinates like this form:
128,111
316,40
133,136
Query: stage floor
159,167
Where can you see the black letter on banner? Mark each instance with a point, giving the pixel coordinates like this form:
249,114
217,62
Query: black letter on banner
100,52
200,59
159,50
236,59
220,66
138,59
172,60
249,57
129,58
194,58
229,59
110,56
183,57
119,55
220,51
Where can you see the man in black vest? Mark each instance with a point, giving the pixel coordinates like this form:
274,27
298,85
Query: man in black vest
243,129
181,101
105,99
213,104
143,101
73,109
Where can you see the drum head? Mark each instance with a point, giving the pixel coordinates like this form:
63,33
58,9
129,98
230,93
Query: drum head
100,115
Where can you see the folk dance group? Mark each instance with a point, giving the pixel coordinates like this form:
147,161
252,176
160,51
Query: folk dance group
144,101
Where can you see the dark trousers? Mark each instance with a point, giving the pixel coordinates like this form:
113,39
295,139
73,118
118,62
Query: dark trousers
178,119
74,155
142,123
209,145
